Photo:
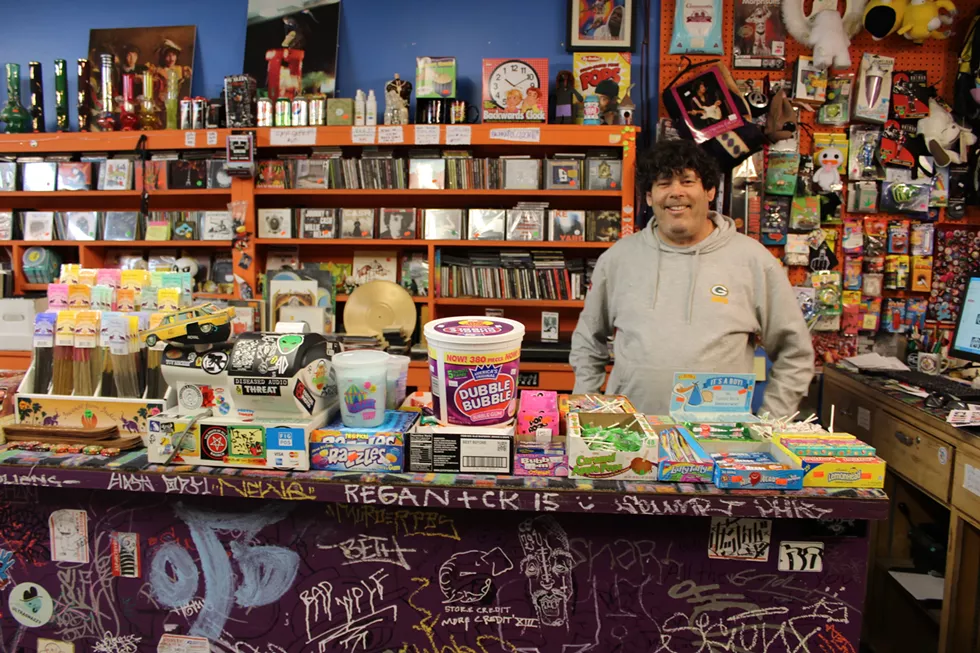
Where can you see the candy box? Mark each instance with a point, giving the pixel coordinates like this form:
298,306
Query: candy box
710,397
543,460
682,460
338,448
838,471
537,417
456,449
753,466
592,457
825,445
592,403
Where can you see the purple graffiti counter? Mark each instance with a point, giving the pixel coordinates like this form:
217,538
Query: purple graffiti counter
121,556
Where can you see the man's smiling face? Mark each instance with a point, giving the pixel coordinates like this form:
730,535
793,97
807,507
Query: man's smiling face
680,204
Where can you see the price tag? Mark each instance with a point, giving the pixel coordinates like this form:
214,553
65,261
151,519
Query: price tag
363,135
516,134
458,134
212,137
190,138
426,134
391,134
801,556
293,136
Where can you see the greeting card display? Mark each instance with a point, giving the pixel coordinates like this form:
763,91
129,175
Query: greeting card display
515,90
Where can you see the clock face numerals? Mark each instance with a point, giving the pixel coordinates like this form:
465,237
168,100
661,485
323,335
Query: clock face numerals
514,74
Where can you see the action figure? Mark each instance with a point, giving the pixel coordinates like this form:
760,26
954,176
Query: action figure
608,93
398,95
564,92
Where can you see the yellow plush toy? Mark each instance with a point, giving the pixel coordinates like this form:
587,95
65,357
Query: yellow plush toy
884,17
922,20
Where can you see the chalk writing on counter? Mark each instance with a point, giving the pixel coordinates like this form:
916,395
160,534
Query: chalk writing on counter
265,489
406,523
192,485
371,548
130,482
35,480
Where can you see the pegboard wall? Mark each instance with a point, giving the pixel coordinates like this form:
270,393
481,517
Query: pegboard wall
939,59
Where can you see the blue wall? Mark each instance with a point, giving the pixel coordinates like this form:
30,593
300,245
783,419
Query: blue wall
377,37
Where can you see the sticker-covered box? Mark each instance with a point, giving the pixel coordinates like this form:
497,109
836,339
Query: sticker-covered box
592,453
453,449
339,448
712,398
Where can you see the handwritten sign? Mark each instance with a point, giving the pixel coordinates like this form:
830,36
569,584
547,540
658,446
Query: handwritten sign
426,134
362,135
801,556
212,137
739,538
190,139
293,136
516,134
391,134
458,134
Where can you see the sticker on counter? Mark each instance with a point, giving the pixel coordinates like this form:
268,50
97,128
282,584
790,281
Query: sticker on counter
214,442
246,443
943,454
125,551
304,397
971,478
30,604
864,418
69,535
801,556
739,538
183,644
54,646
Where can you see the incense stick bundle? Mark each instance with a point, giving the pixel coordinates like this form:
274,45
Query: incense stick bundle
63,366
43,369
127,384
156,387
82,371
108,375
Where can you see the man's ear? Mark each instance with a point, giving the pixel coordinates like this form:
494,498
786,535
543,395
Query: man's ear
649,199
711,194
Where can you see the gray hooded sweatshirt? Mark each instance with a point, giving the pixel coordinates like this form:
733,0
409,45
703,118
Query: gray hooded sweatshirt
690,309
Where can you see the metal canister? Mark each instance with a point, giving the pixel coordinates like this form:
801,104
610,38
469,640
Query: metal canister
265,112
301,111
284,111
199,112
184,120
318,110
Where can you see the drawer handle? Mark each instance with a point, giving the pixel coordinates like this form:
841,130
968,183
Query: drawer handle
907,440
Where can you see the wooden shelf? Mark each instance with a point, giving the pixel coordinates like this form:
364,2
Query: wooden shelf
418,242
159,139
343,242
523,303
523,244
34,287
431,192
482,134
180,244
341,297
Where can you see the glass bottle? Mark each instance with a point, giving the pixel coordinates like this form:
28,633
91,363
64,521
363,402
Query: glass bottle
173,98
84,95
36,81
61,94
107,118
148,106
128,119
14,114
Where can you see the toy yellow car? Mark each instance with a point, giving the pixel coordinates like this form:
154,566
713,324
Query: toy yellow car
205,323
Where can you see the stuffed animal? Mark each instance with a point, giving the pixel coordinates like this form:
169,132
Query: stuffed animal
826,31
942,136
884,17
827,175
782,119
922,20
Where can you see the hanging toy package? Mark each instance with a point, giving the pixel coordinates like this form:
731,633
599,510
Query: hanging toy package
697,27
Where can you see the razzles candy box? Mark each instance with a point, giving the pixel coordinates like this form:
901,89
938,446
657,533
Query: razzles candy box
338,448
617,446
834,460
711,397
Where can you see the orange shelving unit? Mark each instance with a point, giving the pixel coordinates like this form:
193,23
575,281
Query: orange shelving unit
485,140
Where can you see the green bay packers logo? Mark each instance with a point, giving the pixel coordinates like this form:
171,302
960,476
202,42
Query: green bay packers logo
719,291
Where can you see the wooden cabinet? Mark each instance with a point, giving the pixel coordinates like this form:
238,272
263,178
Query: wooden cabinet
965,484
921,458
853,413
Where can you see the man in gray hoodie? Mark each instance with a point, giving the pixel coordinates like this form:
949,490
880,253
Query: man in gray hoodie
688,294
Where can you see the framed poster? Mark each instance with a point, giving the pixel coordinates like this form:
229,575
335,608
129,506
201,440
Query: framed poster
601,26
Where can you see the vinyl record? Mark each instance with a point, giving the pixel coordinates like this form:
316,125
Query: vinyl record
379,305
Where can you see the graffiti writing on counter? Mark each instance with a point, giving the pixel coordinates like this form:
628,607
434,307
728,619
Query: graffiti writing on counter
409,570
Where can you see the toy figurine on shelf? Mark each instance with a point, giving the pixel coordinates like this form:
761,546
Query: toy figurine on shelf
107,118
398,95
128,119
627,108
608,92
148,107
564,94
13,114
201,324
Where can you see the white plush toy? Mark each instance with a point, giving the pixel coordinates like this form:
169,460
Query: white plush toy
827,175
825,30
943,137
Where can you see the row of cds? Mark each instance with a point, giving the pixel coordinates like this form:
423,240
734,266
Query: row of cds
525,222
117,225
113,175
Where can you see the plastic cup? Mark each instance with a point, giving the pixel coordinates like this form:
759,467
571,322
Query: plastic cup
362,385
397,380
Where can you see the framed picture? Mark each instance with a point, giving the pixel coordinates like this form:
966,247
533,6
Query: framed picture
601,26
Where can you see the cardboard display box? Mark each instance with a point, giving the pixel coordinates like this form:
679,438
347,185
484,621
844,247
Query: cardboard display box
460,449
614,465
836,471
545,460
339,448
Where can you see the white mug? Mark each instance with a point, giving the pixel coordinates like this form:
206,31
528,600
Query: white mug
933,363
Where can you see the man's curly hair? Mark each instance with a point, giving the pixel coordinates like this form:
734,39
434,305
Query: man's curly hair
674,157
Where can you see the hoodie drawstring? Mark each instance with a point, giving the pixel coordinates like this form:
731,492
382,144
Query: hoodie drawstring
656,281
696,265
